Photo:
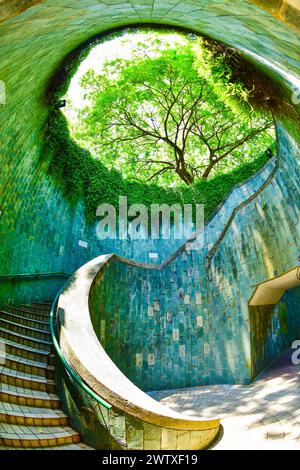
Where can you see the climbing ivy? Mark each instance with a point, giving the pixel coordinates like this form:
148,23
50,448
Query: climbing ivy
81,176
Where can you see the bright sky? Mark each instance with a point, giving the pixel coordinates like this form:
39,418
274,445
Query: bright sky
116,48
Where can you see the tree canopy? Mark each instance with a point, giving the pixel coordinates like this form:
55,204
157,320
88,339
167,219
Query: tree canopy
159,116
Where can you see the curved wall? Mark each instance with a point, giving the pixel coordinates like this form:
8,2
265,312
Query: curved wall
40,231
132,419
188,323
155,324
35,218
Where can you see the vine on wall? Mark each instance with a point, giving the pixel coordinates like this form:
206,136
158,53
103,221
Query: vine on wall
80,175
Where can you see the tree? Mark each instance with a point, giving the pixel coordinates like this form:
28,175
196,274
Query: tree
154,116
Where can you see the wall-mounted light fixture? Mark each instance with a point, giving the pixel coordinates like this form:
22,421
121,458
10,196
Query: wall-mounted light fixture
62,103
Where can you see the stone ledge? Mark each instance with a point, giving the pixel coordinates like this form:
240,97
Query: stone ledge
270,292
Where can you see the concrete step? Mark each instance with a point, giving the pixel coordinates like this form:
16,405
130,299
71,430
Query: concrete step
44,310
21,379
33,398
33,437
45,304
28,366
79,446
25,330
27,352
25,321
28,314
29,416
26,340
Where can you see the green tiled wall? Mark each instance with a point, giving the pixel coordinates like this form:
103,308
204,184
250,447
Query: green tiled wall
40,231
112,429
274,328
188,324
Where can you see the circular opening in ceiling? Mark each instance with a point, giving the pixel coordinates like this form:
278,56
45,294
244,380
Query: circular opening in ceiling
163,113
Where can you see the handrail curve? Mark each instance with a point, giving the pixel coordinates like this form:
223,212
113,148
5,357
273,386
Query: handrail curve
63,360
83,351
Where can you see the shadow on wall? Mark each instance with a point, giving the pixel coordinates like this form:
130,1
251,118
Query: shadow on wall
19,289
158,326
273,329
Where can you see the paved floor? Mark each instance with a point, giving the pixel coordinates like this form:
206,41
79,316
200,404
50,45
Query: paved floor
264,415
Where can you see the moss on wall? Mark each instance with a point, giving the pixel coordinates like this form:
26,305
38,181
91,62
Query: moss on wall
40,229
80,175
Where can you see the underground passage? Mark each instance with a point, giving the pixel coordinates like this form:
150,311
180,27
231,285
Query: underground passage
111,338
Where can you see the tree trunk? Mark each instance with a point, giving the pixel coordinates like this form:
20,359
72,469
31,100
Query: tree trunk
181,168
185,176
207,171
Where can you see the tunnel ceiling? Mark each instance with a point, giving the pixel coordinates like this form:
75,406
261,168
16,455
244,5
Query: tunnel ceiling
37,35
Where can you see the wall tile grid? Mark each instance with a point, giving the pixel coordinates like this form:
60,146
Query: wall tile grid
188,324
201,317
113,429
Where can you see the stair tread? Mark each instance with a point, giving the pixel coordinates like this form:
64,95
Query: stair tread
13,409
79,446
35,432
36,304
45,308
28,338
27,392
24,347
21,310
29,362
30,328
46,302
24,376
25,397
24,318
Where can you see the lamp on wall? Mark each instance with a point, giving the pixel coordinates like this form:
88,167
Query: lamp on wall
269,153
62,103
